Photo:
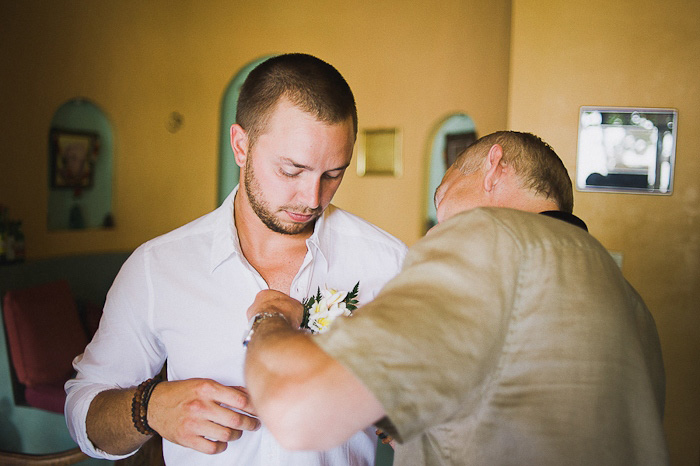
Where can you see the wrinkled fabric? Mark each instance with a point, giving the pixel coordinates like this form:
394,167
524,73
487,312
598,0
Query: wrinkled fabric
510,338
183,296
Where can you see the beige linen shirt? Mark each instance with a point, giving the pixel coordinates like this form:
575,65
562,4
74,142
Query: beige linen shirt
510,338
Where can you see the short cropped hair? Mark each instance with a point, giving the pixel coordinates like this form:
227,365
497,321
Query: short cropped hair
533,160
306,81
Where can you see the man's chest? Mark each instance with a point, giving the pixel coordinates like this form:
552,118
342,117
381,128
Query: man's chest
279,271
200,321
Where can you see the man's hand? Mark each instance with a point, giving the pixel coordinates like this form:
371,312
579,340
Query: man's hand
275,301
196,413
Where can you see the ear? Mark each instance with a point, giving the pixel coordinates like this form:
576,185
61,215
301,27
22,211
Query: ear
494,167
239,144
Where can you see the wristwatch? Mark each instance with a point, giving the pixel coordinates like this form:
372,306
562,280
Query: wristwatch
253,322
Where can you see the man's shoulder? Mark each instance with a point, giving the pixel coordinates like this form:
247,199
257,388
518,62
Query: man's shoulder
519,229
198,229
341,223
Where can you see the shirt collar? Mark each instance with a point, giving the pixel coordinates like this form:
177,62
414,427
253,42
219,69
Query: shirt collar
320,239
226,243
567,217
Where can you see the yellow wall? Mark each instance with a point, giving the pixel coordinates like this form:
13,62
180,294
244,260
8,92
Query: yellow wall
140,61
410,63
640,53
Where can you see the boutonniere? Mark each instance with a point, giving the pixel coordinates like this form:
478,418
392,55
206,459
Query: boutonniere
321,310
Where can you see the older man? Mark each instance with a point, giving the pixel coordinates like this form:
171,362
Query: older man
509,337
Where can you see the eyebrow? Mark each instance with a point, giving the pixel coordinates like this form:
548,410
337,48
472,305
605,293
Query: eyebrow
306,167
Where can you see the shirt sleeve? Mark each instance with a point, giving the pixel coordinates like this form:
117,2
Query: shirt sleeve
123,352
432,336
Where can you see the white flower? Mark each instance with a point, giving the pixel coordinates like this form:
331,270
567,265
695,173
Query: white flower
328,304
333,296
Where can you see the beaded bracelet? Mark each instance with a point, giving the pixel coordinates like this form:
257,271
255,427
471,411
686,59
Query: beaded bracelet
139,405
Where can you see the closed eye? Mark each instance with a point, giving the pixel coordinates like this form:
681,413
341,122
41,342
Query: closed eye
289,174
333,176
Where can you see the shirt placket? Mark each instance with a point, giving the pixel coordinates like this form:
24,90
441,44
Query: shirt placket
254,274
302,281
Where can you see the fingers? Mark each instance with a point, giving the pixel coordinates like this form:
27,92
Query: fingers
233,398
201,414
234,420
231,406
263,301
207,446
213,437
224,425
275,301
241,389
215,432
226,406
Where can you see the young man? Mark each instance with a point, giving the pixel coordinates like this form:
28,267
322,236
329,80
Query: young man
509,337
183,297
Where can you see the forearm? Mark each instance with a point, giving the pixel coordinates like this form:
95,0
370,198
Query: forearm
277,356
298,390
279,365
109,423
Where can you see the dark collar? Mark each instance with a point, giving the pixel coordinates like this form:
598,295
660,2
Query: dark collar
565,216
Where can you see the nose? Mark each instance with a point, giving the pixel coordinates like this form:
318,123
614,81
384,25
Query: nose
311,193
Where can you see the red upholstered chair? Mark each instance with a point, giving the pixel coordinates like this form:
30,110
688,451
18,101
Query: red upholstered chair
44,334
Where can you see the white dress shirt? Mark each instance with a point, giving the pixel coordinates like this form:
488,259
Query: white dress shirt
183,297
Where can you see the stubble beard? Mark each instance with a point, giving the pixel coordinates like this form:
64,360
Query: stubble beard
264,212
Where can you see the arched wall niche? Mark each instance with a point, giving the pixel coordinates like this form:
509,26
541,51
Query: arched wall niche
449,138
80,167
229,174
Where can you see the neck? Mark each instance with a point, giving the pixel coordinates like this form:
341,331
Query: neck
510,191
512,194
537,204
256,238
276,257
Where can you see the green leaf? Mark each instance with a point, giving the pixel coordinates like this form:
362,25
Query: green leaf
351,295
305,319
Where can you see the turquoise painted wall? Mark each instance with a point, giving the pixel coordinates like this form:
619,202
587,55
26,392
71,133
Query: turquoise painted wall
458,123
228,170
94,203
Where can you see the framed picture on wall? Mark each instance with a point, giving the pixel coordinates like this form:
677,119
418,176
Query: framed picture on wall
622,149
379,152
72,157
455,144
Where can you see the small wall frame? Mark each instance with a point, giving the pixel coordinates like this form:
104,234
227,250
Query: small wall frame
73,156
628,150
379,152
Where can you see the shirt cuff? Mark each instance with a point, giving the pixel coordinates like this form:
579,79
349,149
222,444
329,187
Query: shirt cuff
78,402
